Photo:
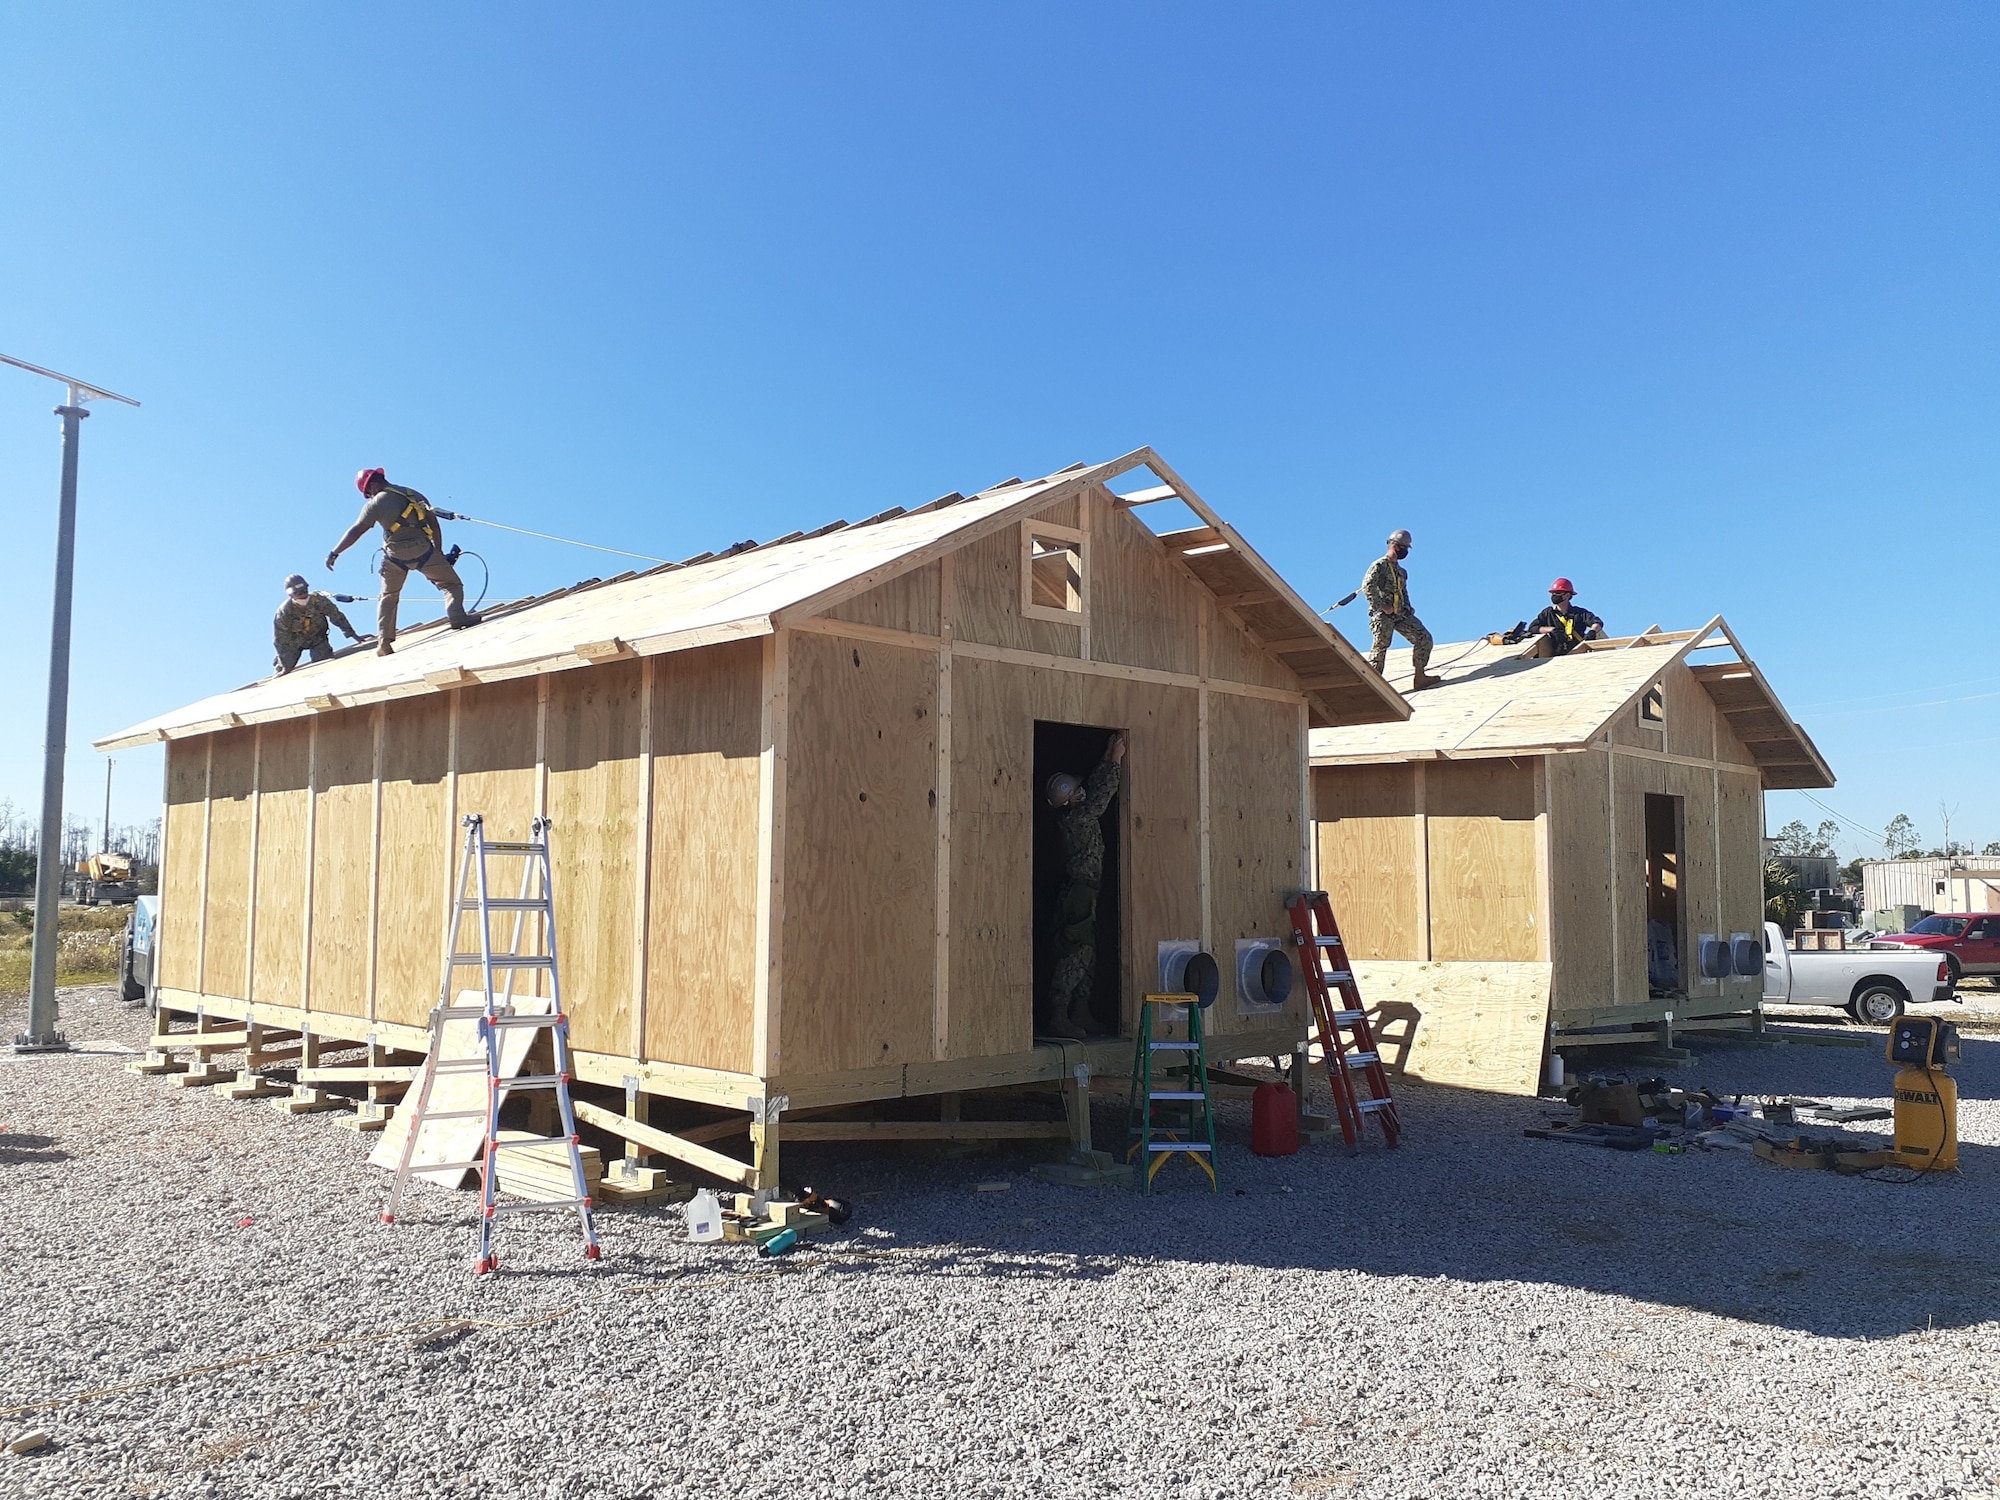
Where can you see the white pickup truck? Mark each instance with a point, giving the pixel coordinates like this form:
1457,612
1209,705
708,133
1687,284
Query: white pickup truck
1871,985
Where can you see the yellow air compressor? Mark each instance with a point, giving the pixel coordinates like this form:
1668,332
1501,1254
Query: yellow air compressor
1926,1096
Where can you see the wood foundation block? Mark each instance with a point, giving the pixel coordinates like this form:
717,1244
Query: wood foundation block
252,1086
369,1114
157,1064
306,1101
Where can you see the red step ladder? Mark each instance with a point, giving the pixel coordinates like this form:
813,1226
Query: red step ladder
1345,1038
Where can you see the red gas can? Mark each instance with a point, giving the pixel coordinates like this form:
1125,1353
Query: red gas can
1274,1120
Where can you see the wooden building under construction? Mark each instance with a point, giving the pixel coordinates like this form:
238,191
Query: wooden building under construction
794,791
1535,856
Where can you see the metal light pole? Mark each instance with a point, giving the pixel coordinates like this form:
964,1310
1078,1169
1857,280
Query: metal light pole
41,1035
109,762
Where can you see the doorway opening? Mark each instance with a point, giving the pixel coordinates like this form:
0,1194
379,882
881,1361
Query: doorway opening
1075,749
1663,896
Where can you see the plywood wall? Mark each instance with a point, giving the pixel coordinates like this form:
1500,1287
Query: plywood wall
860,844
986,600
702,897
226,935
186,836
1368,857
907,602
1145,610
284,771
1580,897
413,875
1485,890
343,862
989,1000
592,748
498,776
1256,801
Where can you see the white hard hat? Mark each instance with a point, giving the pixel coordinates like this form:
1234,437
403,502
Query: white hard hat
1399,538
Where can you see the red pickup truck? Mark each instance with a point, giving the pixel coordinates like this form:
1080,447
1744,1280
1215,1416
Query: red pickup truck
1968,941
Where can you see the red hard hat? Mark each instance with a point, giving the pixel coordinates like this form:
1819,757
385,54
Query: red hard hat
361,479
1560,586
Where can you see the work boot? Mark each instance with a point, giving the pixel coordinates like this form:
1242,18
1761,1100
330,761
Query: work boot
1425,680
385,648
466,619
1084,1023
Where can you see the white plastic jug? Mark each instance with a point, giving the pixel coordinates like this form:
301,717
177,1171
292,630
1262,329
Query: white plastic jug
704,1217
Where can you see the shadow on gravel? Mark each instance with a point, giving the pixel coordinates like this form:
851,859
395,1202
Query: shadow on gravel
16,1149
1468,1198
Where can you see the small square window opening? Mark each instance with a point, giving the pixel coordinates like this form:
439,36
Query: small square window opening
1653,707
1054,573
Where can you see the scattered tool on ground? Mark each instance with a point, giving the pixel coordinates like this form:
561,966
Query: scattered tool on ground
533,928
1346,1038
1926,1095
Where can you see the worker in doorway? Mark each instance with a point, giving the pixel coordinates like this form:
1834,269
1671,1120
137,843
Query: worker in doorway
412,539
1079,804
1565,624
300,626
1387,590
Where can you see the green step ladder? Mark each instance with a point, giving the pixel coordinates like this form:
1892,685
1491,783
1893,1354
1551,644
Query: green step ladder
1181,1090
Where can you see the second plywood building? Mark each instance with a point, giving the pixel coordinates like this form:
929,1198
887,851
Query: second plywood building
1540,849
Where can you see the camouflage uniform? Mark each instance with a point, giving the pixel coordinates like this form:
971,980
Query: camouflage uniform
1387,590
1076,910
300,628
409,544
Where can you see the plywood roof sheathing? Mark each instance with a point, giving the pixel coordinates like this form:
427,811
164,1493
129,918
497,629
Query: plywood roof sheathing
752,590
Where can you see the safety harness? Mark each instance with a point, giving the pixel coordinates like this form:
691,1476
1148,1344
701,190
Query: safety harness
422,513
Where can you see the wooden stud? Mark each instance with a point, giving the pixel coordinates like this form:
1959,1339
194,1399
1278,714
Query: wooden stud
250,875
941,983
1611,860
1204,841
542,747
312,811
728,1168
381,716
1544,868
1421,822
207,819
642,880
767,1034
451,847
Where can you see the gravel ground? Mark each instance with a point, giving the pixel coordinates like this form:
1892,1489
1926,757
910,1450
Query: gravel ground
1475,1314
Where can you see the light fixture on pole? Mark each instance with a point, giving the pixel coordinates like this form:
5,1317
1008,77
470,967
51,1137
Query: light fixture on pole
41,1035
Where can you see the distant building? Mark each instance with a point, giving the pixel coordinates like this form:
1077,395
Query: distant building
1931,884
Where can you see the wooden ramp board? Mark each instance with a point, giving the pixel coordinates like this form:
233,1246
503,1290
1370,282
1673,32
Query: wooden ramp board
458,1140
1468,1025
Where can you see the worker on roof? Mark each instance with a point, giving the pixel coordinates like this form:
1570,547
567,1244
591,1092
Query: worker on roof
1565,624
1386,587
300,626
1079,804
412,538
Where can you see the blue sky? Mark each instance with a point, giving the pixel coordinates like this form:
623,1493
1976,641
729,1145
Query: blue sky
1694,304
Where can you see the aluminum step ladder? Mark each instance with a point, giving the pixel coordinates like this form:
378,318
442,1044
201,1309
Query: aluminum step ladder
1182,1087
534,929
1346,1040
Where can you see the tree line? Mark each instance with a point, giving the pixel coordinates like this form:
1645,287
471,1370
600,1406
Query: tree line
20,840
